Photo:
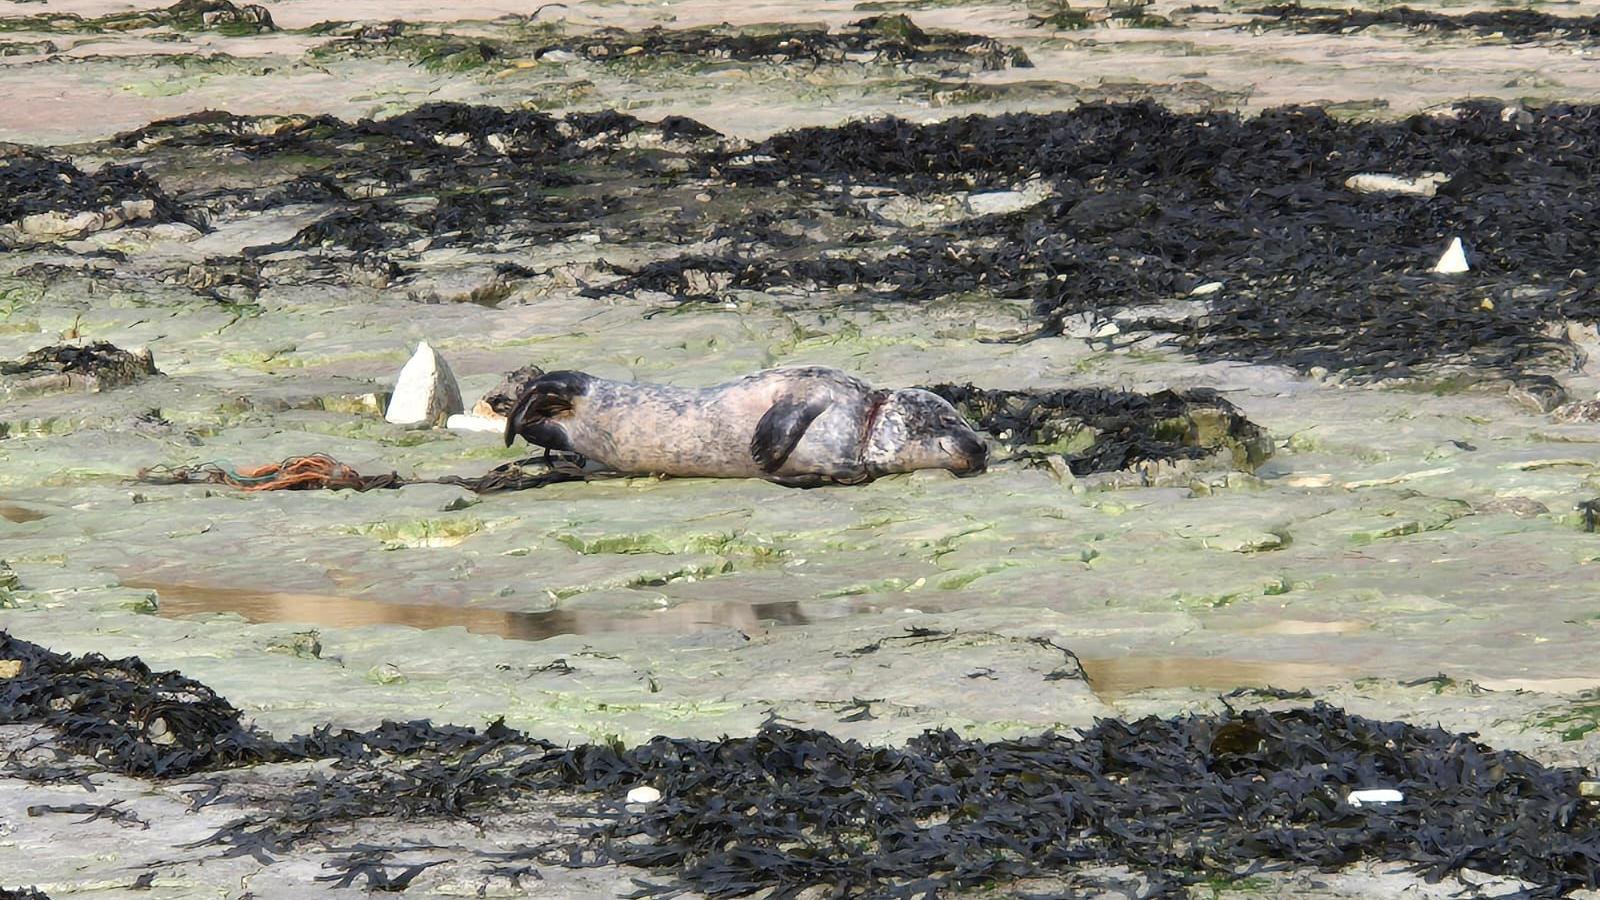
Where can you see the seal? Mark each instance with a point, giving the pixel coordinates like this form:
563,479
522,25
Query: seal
799,426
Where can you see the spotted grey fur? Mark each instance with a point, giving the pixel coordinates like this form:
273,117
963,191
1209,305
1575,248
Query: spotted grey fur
800,426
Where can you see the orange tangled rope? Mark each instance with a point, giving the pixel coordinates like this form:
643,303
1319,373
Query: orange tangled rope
297,473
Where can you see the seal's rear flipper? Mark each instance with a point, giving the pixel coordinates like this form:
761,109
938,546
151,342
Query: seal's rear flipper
804,482
551,395
780,430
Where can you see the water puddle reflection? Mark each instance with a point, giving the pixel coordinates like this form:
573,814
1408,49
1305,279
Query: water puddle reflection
11,512
1116,676
1109,676
334,611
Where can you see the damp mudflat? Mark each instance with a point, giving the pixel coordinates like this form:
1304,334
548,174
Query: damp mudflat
280,215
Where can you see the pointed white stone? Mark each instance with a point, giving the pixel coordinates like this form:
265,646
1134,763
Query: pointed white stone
1454,260
426,391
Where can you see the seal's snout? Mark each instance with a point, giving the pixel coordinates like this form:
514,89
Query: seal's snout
972,454
967,454
553,394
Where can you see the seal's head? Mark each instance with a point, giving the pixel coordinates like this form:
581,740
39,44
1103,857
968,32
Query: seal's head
916,429
539,412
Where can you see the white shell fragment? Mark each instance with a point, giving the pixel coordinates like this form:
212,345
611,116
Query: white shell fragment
1424,185
1375,795
469,422
1210,287
1454,260
644,794
426,391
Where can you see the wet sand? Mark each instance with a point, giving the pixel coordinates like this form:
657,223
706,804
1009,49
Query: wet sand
1373,552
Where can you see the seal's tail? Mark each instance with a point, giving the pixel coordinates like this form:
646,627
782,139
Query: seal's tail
551,395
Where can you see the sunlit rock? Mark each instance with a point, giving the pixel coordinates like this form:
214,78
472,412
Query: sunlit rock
1424,185
426,391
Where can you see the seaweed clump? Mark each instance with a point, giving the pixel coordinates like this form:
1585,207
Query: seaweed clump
1517,25
441,174
893,39
1102,430
131,719
886,38
99,366
1150,204
1177,800
1129,209
1062,16
45,197
185,15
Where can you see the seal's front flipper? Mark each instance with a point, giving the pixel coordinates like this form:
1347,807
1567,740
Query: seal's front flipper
780,430
550,395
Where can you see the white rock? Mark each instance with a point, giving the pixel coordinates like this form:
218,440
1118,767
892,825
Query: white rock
57,224
87,222
132,210
1454,260
468,422
990,203
1210,287
1375,795
426,391
174,231
644,794
1424,185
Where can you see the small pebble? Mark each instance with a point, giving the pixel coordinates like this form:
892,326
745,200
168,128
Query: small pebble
464,422
1372,796
386,673
644,794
